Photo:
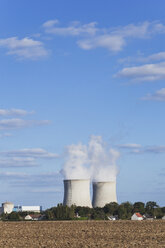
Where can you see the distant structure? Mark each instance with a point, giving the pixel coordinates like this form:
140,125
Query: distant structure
103,193
36,209
77,192
7,207
137,216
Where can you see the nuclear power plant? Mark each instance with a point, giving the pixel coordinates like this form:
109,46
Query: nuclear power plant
77,192
103,193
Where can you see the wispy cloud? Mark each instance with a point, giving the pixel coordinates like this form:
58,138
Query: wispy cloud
14,112
32,153
141,58
16,123
35,183
47,190
17,162
111,38
159,95
38,183
150,149
147,72
129,146
73,29
26,48
111,42
114,39
139,149
24,157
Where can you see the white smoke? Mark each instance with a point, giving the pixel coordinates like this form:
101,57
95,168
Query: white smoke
102,160
76,162
95,161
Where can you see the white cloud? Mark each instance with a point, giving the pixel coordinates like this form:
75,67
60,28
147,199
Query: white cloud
31,152
24,48
140,58
141,30
38,183
74,29
139,149
24,157
10,174
155,57
113,38
14,112
50,24
46,190
147,72
17,162
129,146
17,123
110,42
150,149
159,95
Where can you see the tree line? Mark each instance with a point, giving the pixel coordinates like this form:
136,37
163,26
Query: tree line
122,211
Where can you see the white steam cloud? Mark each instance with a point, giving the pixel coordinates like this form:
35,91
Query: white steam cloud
95,161
76,160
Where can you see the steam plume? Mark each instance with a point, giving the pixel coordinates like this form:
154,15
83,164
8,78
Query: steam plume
95,160
102,160
76,162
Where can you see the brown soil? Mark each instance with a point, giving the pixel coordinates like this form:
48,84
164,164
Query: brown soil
77,234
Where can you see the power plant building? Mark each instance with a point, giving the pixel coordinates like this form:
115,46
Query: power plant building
36,209
77,192
7,207
103,193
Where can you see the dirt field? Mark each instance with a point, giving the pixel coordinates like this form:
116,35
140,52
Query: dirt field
77,234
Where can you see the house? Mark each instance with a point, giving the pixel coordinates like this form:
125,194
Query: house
36,216
137,216
147,217
111,217
77,216
33,217
28,217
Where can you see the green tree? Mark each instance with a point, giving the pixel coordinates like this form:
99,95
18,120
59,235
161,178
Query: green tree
111,208
139,207
128,209
122,212
83,211
14,216
150,208
98,214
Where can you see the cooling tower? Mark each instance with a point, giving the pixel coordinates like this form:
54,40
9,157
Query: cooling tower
7,207
103,193
77,192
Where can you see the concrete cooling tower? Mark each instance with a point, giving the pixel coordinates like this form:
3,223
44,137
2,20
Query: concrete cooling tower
103,193
7,207
77,192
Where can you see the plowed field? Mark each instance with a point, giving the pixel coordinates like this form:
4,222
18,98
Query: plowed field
77,234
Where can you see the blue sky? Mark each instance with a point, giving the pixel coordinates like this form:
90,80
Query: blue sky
72,69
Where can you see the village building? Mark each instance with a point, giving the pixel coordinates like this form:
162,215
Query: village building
137,216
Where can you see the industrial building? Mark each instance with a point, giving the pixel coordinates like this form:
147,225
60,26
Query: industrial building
36,209
8,207
77,192
103,193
